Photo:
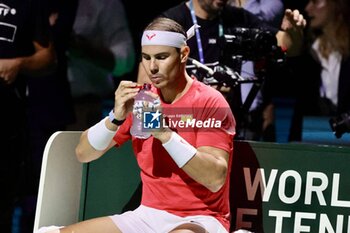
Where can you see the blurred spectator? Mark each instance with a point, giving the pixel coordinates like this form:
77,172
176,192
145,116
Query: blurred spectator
50,106
217,18
325,89
101,54
270,11
261,125
25,50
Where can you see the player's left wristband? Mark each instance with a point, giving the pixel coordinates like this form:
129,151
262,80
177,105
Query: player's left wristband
179,149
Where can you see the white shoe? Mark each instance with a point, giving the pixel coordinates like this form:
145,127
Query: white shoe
242,231
47,229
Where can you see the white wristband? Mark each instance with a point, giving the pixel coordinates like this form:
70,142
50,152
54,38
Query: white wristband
180,150
100,136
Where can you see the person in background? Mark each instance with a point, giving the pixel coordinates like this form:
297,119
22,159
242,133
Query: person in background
101,54
173,160
270,11
50,105
217,18
325,89
26,50
262,107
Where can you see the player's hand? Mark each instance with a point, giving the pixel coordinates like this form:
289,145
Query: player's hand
124,98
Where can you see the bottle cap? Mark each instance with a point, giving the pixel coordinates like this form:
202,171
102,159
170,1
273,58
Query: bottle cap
146,86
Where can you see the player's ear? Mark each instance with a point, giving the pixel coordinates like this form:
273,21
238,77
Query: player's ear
185,51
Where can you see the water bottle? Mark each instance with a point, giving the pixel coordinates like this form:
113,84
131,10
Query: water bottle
137,124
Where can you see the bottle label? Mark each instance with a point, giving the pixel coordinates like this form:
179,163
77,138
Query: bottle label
138,109
137,127
142,103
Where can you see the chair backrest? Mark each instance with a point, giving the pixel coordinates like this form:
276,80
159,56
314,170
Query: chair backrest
70,191
60,182
111,184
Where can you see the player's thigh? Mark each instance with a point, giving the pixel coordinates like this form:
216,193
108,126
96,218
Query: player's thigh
100,225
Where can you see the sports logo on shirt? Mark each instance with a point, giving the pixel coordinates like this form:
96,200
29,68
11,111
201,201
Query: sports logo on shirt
7,31
4,10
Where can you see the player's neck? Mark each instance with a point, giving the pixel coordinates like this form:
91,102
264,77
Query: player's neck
177,90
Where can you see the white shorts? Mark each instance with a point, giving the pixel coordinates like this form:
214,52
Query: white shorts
149,220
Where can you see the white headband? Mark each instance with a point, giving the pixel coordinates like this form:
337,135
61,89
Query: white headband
174,39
